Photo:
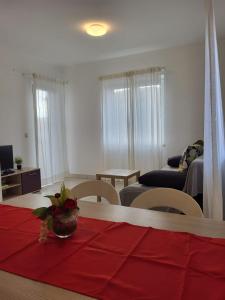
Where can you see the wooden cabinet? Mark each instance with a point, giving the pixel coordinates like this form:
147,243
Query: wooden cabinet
21,182
31,181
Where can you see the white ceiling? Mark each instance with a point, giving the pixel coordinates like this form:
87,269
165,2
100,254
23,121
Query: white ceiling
50,29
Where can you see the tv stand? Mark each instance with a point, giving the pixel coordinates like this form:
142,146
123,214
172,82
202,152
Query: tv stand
7,172
20,182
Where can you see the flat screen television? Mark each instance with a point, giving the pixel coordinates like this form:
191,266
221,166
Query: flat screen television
6,158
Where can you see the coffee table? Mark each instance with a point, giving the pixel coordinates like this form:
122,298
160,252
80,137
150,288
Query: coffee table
114,174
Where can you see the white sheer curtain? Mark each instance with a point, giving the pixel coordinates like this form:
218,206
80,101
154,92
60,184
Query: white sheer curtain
214,149
49,108
148,104
115,108
132,120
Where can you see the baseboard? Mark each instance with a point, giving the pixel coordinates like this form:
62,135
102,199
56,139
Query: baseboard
86,176
81,176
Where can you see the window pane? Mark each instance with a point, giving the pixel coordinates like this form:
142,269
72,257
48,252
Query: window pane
115,123
42,103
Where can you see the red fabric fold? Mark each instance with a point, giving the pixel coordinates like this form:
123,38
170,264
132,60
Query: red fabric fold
108,260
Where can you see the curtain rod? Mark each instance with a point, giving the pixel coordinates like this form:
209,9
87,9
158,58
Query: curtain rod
37,76
133,72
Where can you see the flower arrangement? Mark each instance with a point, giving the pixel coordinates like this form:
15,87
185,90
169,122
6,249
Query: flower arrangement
60,217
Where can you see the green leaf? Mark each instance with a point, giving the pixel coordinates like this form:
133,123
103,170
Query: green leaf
49,196
68,193
54,201
50,222
41,212
64,194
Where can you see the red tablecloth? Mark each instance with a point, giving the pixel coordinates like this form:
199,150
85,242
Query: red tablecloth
118,261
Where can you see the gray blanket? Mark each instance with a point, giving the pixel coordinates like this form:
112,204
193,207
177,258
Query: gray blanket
194,181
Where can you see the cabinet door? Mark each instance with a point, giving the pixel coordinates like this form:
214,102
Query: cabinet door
31,181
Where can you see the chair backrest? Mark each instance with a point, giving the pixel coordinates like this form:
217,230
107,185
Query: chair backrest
165,197
96,188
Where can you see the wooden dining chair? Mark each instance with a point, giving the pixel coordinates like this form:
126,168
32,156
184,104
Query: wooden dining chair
96,188
166,197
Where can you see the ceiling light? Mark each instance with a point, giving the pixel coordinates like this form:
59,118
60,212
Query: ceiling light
96,29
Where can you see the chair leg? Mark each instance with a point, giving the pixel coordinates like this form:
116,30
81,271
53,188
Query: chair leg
99,199
113,182
125,182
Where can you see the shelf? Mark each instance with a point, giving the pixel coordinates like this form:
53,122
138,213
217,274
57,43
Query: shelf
19,172
10,186
20,182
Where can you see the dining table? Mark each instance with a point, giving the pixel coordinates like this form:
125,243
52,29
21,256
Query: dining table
15,287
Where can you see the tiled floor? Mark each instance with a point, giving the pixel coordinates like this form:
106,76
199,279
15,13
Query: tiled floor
71,182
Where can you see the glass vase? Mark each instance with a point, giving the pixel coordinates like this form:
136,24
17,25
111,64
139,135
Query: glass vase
64,225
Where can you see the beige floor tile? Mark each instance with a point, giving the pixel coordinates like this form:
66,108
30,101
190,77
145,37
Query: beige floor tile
70,183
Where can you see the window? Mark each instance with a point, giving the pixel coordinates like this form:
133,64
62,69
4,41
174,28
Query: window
41,104
132,121
49,102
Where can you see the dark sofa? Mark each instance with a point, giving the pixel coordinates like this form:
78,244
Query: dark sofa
190,181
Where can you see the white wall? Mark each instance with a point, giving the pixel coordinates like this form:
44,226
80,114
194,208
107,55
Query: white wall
183,107
15,113
11,110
